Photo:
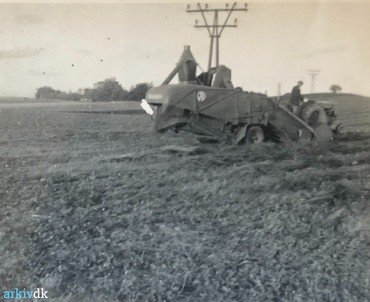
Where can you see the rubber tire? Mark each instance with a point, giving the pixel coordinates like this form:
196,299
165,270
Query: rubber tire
255,135
323,133
313,114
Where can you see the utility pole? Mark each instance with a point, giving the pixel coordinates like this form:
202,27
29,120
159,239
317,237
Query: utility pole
215,28
278,91
313,73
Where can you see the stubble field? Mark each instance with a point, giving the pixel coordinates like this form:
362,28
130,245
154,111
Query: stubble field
96,207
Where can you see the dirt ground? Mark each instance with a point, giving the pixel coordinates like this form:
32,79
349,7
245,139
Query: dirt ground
95,207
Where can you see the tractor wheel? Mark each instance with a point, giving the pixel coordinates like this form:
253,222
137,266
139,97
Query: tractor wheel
255,135
338,129
313,114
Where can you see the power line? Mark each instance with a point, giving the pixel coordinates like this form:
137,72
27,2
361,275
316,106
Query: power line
313,73
215,28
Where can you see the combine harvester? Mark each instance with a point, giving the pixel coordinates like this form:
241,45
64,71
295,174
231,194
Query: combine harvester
210,106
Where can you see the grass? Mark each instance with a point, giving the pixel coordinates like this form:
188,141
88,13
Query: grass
96,207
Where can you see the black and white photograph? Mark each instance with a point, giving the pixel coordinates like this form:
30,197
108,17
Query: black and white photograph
162,150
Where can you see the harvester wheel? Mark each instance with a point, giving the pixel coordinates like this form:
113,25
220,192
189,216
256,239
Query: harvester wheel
255,135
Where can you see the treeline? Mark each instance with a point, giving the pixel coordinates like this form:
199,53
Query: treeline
47,92
104,91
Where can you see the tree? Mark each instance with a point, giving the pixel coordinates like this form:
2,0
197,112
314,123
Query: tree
105,91
138,92
46,92
335,88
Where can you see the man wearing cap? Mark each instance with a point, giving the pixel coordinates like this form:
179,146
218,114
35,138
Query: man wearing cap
296,97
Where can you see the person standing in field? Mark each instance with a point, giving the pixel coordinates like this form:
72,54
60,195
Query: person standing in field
296,97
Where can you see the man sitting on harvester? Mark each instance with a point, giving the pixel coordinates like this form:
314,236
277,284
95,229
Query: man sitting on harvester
296,98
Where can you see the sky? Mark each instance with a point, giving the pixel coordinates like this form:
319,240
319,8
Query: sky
69,46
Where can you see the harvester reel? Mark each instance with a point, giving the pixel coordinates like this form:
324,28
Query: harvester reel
255,135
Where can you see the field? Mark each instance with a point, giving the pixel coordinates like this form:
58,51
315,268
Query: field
96,207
